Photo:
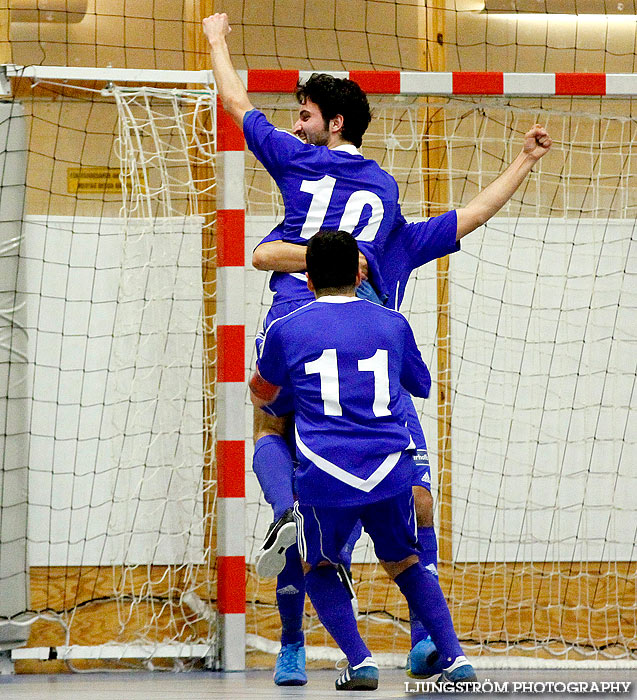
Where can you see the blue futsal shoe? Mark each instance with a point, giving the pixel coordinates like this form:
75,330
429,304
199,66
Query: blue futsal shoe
363,676
459,673
290,665
424,661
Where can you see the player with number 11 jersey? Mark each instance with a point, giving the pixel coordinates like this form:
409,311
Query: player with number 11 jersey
347,359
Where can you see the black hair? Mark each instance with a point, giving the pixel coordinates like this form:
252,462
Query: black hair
332,259
338,96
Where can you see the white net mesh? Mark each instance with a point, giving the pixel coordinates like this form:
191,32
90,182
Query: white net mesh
539,557
121,481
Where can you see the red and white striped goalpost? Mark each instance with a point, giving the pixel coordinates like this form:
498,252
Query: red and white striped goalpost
230,444
230,309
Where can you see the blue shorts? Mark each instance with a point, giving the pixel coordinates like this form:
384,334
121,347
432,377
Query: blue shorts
323,531
422,469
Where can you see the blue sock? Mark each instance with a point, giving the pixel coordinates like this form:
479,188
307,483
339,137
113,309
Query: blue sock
427,600
290,597
272,463
429,560
334,609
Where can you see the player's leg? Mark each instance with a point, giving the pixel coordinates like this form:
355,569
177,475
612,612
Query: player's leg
344,568
289,668
322,533
274,467
422,491
272,462
423,656
424,504
390,525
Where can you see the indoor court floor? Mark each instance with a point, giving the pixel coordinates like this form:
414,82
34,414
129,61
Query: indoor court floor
258,684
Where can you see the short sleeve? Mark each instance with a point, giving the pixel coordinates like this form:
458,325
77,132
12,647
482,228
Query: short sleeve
271,363
431,239
273,147
276,234
414,376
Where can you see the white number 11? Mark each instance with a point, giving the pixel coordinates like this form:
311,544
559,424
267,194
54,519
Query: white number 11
326,366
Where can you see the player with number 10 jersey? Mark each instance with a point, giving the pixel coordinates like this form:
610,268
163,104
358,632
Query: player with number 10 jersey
332,188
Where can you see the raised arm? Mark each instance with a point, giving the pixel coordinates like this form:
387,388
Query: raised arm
231,89
481,208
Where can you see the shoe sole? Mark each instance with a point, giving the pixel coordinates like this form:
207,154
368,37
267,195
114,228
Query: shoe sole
462,682
421,676
427,663
294,681
359,684
271,561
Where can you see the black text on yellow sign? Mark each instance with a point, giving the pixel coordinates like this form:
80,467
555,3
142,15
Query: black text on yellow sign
95,180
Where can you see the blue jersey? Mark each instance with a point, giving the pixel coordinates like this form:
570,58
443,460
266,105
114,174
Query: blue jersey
333,188
346,360
413,245
408,247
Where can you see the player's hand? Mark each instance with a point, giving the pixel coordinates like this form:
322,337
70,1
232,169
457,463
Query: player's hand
537,142
363,266
216,26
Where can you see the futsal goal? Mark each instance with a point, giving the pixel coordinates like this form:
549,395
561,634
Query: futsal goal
130,517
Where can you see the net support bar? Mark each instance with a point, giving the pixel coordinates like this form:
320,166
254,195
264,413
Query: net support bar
114,651
373,82
230,445
391,660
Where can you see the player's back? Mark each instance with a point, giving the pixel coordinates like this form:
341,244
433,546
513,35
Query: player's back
324,188
346,359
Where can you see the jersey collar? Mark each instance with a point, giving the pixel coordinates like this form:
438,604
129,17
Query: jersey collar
347,148
337,299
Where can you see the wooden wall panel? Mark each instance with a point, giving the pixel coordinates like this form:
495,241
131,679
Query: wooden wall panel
548,601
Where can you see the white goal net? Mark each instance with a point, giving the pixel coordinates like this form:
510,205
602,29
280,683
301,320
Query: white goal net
110,374
539,556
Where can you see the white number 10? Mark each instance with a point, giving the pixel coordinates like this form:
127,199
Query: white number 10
321,191
326,366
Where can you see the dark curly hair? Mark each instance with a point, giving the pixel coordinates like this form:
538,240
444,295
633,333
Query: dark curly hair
332,259
338,96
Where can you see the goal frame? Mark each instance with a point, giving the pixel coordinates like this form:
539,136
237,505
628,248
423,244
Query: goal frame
15,81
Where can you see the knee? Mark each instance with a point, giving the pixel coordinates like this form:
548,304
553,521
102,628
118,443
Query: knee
264,425
266,432
321,565
395,568
424,504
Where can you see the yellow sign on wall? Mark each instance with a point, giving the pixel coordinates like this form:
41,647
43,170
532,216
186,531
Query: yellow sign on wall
95,180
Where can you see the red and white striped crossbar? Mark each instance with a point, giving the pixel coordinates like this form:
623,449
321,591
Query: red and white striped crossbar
230,445
373,82
457,83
